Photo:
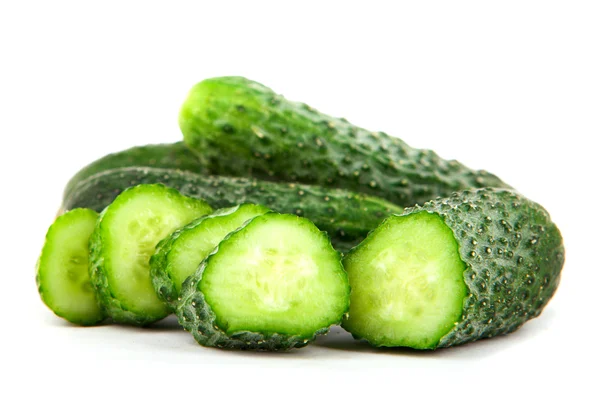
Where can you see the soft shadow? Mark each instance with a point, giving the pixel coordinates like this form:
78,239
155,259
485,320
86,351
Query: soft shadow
58,322
339,339
168,324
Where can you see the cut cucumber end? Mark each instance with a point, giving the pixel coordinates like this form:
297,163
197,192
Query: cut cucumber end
277,275
125,239
407,283
62,270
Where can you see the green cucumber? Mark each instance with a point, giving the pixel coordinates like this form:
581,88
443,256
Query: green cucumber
179,255
273,284
123,240
167,155
475,265
346,216
242,128
62,273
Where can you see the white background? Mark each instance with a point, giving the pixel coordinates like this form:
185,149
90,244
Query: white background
512,87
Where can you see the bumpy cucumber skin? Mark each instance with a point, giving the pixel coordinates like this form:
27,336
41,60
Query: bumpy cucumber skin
513,254
346,216
242,128
111,305
197,317
167,155
161,279
89,320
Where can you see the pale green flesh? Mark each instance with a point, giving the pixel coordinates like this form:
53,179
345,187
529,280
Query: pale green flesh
279,274
131,229
63,274
194,245
407,283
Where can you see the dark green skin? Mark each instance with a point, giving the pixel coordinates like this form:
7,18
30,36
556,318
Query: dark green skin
347,217
197,317
167,155
242,128
513,255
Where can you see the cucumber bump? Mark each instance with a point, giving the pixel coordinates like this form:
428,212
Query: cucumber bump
122,243
242,128
273,284
477,264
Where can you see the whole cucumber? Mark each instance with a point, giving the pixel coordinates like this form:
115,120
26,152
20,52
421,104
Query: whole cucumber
346,216
474,265
242,128
166,155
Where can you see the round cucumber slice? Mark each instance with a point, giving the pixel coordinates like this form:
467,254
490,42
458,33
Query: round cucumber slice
407,283
123,241
273,284
180,254
62,270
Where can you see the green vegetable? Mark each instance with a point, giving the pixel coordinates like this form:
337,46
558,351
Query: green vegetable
273,284
179,255
62,270
123,240
242,128
346,216
171,155
477,264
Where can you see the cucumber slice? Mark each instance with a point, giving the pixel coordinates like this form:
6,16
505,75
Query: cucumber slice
273,284
122,243
62,270
180,254
475,265
407,283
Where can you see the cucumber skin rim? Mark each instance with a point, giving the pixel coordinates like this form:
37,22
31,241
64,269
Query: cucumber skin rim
480,319
194,312
38,278
118,311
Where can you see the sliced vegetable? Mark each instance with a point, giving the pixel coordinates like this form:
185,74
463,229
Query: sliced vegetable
273,284
122,243
179,255
62,273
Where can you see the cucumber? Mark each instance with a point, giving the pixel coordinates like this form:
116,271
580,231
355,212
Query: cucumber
273,284
346,216
242,128
475,265
168,155
123,240
62,274
179,255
